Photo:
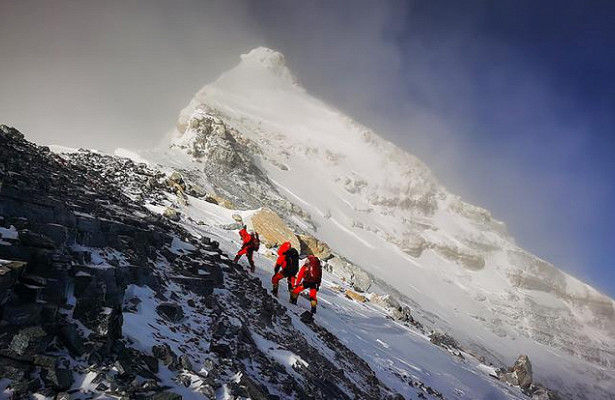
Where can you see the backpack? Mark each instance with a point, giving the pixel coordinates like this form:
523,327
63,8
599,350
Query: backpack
292,261
314,270
256,241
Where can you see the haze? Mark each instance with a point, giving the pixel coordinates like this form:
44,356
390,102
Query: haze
511,103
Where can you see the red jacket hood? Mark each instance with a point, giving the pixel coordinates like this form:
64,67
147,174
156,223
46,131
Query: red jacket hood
284,248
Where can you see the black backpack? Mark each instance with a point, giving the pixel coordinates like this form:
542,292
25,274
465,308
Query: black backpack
256,241
292,261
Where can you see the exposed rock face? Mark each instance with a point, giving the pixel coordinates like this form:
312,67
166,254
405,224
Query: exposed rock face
212,142
523,370
272,230
519,374
469,260
311,245
358,278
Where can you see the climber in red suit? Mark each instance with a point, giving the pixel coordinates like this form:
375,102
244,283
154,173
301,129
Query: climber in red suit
286,266
249,244
309,277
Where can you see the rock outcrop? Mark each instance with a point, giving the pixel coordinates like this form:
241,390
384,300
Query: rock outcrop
520,374
311,245
273,231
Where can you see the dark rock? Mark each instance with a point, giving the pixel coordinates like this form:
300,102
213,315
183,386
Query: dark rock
62,396
10,272
166,396
170,311
171,214
59,378
45,361
70,337
443,340
30,341
403,314
523,371
13,369
164,353
254,390
519,374
55,232
185,362
32,239
23,314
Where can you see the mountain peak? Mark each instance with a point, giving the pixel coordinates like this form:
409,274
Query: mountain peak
264,56
262,64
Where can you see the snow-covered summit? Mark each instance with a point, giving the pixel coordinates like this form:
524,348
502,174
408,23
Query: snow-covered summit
267,58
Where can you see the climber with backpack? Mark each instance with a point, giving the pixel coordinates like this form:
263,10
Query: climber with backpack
250,242
309,277
286,266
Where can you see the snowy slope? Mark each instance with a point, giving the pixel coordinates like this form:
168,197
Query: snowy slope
383,209
399,354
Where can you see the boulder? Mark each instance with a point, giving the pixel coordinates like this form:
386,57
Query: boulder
351,294
358,278
175,182
170,311
195,190
9,272
70,337
272,230
523,370
171,214
519,374
13,369
402,314
164,353
58,376
220,201
185,362
311,245
109,324
30,341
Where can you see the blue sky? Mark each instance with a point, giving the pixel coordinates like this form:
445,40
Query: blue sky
511,103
